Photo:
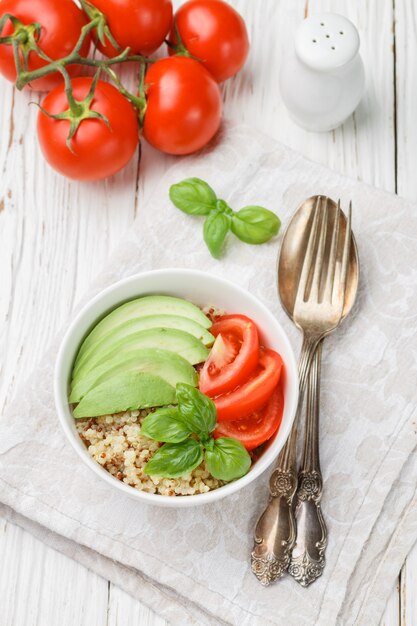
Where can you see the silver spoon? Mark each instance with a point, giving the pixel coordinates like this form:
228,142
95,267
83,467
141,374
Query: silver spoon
317,281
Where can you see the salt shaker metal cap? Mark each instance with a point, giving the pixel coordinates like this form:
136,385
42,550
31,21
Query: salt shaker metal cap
322,77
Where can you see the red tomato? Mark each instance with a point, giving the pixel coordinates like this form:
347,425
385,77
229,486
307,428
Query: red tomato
214,32
234,355
259,426
183,106
98,150
253,394
61,27
141,25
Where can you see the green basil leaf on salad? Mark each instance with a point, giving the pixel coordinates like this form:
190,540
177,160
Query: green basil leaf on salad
165,425
216,227
255,225
228,459
175,459
197,410
193,196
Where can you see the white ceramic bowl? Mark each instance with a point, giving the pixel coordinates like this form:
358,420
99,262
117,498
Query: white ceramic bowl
202,289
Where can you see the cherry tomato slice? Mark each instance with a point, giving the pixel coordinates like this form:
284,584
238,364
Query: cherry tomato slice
259,426
253,394
234,356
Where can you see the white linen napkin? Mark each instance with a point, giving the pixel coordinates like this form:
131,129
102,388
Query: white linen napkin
191,565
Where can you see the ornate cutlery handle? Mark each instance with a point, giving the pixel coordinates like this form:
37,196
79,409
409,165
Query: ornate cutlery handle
307,558
275,531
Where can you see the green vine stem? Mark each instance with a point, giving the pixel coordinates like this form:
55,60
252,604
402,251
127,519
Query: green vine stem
25,38
24,41
179,47
74,58
78,110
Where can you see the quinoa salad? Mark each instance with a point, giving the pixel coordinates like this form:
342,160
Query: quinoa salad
173,399
115,442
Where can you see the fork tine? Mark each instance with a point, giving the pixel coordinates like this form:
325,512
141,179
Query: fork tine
346,250
315,285
308,258
331,271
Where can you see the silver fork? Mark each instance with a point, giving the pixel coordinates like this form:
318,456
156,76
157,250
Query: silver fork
318,311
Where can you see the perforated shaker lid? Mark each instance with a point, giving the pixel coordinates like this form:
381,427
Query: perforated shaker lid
326,41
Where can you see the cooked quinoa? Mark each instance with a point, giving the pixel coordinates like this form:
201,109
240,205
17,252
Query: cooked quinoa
115,442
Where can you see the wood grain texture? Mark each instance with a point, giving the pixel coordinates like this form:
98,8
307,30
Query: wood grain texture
55,236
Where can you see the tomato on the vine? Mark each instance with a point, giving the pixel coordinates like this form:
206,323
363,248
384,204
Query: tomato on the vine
257,427
233,357
214,32
141,25
97,149
184,105
61,23
253,394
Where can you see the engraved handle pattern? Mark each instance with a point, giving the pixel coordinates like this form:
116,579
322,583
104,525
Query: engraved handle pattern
307,558
270,556
275,531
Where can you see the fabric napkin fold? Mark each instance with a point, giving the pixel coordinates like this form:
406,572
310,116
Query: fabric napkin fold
191,566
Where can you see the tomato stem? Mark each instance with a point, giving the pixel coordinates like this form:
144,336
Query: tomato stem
179,47
24,40
73,58
78,110
103,30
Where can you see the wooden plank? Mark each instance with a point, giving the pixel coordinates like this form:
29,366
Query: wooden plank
406,95
391,615
408,590
125,611
41,586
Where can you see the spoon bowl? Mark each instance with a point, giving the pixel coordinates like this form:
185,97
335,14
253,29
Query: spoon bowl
293,250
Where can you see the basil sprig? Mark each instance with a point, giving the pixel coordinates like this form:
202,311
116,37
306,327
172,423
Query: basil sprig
186,433
252,224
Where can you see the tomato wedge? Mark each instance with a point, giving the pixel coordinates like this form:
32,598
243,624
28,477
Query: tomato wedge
253,394
259,426
234,356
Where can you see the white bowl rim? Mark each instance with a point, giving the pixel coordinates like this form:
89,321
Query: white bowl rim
264,461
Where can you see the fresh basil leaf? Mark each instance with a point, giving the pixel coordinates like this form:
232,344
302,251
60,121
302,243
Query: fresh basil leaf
255,225
165,425
193,196
175,459
197,410
228,459
216,227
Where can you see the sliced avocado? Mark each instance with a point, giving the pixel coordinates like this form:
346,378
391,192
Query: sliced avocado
168,365
143,323
143,307
126,392
177,341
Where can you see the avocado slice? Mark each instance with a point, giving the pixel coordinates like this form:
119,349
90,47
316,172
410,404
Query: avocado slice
143,323
177,341
125,392
142,307
168,365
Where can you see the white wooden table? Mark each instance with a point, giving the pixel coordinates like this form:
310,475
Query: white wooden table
55,236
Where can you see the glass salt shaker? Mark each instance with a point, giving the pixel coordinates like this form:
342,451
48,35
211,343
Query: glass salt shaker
322,78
